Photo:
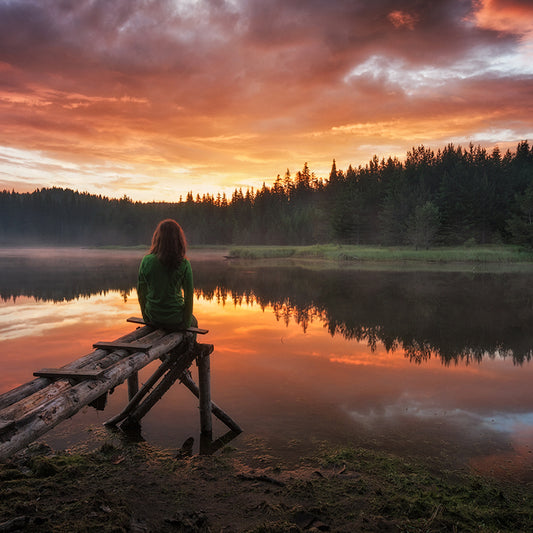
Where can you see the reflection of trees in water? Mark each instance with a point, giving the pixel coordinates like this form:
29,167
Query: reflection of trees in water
456,316
57,279
283,310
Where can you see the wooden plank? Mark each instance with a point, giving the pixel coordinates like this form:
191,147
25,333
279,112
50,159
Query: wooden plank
141,393
135,320
135,346
200,331
4,424
81,373
192,329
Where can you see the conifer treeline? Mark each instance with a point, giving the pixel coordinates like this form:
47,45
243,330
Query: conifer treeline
450,196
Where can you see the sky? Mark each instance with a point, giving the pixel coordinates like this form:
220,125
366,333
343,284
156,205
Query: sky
155,98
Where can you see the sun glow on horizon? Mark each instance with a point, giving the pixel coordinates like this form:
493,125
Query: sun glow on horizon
218,100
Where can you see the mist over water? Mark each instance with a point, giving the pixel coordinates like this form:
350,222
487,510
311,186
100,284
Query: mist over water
425,363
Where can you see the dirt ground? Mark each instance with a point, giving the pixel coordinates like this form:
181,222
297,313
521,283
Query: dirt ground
135,487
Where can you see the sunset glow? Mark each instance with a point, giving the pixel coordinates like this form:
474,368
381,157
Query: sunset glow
155,99
306,383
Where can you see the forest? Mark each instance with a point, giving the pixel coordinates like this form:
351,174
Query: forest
449,197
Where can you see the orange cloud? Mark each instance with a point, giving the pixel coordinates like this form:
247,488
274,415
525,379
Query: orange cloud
513,16
401,19
156,99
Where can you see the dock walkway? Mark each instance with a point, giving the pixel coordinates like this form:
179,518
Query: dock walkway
34,408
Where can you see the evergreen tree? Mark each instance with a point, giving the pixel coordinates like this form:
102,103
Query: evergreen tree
423,225
521,222
476,195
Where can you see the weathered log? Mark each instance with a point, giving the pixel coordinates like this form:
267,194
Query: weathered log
187,380
27,389
177,368
141,393
4,424
55,389
49,413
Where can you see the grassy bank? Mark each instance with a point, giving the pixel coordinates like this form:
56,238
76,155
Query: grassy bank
140,488
332,252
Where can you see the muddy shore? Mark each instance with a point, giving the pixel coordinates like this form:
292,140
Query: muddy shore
135,487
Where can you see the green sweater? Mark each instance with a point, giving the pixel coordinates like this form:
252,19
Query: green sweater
165,296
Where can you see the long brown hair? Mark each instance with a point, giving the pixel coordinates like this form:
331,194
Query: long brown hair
169,243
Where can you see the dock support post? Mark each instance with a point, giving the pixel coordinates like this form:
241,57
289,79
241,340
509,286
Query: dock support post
133,385
204,384
187,380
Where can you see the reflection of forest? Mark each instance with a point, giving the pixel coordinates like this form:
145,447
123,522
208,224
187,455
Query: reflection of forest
55,279
454,315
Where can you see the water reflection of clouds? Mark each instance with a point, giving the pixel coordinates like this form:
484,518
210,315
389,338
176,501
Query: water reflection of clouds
362,358
26,317
402,409
431,412
278,377
511,423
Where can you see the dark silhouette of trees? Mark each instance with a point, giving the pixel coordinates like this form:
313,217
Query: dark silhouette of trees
521,221
448,197
423,225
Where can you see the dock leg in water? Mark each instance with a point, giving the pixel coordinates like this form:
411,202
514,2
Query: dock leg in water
187,380
204,382
176,368
133,385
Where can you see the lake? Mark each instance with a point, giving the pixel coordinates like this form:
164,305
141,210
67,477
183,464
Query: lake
424,363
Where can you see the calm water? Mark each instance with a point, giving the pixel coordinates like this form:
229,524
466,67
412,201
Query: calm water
433,364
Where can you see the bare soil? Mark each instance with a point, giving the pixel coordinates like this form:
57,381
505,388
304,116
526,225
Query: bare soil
126,487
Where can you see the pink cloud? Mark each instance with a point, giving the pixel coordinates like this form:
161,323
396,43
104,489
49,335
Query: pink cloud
510,16
162,84
401,19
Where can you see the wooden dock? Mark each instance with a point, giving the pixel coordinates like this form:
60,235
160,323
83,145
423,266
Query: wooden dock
34,408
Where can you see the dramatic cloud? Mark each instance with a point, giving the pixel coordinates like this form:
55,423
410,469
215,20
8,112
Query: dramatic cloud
511,16
155,98
401,18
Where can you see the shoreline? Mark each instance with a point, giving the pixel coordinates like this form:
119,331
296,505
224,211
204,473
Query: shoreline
500,254
474,258
141,488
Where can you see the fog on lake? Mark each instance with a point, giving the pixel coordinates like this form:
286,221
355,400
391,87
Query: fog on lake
423,363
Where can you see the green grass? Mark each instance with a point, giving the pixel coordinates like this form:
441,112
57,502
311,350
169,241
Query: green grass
421,500
354,253
343,488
